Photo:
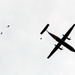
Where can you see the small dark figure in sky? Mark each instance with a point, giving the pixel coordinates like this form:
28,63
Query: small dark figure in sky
8,26
40,38
1,33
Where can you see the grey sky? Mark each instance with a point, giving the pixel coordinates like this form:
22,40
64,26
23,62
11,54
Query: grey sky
21,51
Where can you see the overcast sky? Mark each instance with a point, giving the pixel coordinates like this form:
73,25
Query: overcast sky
21,50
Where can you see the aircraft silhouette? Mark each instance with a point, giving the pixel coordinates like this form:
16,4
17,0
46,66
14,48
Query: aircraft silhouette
60,41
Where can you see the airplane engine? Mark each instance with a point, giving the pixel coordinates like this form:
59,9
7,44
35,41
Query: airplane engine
59,47
69,38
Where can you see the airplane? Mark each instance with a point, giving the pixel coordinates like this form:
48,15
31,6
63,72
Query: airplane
60,41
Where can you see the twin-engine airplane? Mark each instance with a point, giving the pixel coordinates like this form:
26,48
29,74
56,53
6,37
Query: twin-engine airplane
60,41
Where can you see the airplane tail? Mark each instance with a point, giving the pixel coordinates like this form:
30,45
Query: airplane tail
45,28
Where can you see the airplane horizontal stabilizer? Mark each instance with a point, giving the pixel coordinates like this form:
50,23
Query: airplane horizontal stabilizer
45,28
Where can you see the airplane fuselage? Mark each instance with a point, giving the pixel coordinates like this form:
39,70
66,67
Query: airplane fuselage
62,42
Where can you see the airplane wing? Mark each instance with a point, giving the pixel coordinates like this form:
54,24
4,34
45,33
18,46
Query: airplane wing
58,45
67,33
54,50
